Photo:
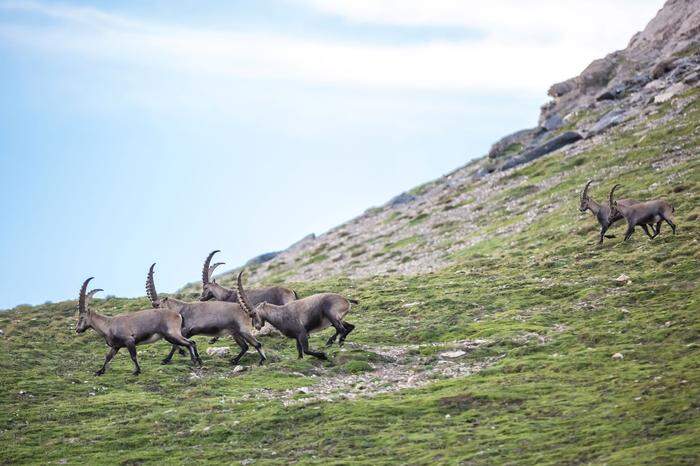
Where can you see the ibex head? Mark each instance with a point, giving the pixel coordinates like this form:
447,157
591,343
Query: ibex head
584,197
83,310
258,322
613,203
207,272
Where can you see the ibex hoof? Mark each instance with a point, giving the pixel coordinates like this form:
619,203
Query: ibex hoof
99,373
136,373
165,361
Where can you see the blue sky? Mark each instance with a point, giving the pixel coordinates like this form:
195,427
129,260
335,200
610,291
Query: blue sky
133,132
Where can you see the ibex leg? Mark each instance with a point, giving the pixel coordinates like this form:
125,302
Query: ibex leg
244,348
349,328
646,230
257,345
304,341
671,224
131,346
169,357
110,355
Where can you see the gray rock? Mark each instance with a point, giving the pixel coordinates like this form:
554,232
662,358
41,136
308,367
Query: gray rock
612,93
661,68
692,78
506,143
608,120
262,258
553,144
669,93
220,351
562,88
553,122
403,198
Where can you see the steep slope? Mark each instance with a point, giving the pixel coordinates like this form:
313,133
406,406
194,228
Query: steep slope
495,342
418,231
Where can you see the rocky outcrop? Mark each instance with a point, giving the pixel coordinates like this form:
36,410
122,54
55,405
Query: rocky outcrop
551,145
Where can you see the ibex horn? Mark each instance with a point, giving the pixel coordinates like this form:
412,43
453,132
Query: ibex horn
213,267
205,270
82,298
92,293
151,287
242,297
612,191
584,194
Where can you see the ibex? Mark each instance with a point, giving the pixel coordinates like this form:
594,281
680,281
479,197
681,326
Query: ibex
601,211
212,290
300,318
213,318
644,214
129,330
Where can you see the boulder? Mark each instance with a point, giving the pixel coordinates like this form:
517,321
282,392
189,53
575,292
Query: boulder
612,93
545,148
506,144
669,93
562,88
220,351
661,68
403,198
262,258
608,120
552,122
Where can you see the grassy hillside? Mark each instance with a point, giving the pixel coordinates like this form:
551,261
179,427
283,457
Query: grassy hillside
537,312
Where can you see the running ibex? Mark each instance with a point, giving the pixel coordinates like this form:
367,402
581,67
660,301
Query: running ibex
644,214
129,330
300,318
212,290
601,211
212,318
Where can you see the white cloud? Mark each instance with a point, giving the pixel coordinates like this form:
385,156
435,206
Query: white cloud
528,45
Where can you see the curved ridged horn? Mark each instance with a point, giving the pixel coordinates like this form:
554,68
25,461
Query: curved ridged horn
213,267
90,294
151,287
612,191
584,194
82,298
206,271
242,297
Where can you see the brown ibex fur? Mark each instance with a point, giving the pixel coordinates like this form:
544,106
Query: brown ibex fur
601,211
211,318
644,214
130,330
212,290
300,318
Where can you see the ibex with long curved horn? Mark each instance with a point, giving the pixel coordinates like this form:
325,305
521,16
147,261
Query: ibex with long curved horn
211,318
300,318
212,290
644,214
601,211
130,330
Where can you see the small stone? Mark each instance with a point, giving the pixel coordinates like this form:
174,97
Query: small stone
247,461
453,354
304,390
416,303
1,332
220,351
240,369
618,356
623,279
447,416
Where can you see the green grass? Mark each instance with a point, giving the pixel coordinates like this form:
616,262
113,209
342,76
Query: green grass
544,298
